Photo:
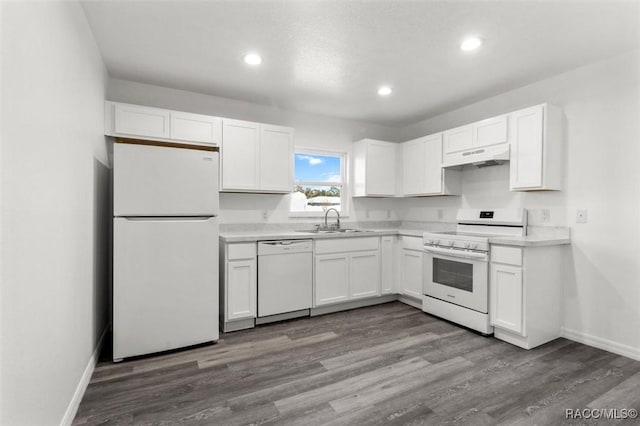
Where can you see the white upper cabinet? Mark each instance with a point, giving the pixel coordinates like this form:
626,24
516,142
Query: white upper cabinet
374,168
195,127
138,120
256,157
422,172
491,131
142,122
485,136
240,155
413,166
276,158
537,159
458,139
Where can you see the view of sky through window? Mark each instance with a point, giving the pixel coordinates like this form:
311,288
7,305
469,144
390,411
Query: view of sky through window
317,168
318,182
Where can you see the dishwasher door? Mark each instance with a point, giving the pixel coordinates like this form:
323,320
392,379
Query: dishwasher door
285,276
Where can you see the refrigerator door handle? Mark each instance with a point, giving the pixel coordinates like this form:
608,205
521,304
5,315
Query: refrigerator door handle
167,218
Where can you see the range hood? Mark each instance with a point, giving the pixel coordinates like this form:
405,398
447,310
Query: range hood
479,157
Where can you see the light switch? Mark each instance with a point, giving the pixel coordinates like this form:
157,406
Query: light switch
581,216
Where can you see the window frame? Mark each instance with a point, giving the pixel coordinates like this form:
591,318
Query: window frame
344,185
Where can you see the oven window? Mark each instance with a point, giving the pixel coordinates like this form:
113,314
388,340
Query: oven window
453,274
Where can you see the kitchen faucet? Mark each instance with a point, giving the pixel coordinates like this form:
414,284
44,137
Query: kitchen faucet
337,225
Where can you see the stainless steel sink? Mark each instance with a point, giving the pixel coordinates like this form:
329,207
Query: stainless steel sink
331,231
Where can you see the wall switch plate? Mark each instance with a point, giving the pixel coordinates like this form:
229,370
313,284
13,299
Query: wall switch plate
581,216
545,216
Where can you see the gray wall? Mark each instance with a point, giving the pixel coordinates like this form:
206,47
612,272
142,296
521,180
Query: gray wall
55,208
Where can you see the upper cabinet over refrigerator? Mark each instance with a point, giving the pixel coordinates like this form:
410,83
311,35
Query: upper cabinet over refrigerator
143,122
165,181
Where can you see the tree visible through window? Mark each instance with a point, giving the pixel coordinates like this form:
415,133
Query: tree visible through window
319,182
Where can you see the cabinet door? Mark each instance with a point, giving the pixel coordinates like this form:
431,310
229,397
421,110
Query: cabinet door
364,275
433,173
241,289
276,158
387,262
506,297
138,120
413,170
332,279
491,131
458,139
411,275
196,127
381,168
240,155
526,148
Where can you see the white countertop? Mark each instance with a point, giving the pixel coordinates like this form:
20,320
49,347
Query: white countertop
253,236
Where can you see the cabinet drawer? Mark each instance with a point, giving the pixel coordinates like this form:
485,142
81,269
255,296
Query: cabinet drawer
241,251
340,245
507,255
412,243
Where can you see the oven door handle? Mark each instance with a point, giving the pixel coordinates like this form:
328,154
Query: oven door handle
457,253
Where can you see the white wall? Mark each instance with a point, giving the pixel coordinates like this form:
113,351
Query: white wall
311,131
55,208
602,132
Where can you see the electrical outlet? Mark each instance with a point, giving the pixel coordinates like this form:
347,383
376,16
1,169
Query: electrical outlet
388,214
265,215
545,216
440,214
581,216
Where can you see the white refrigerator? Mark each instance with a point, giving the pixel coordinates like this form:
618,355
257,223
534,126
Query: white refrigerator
165,247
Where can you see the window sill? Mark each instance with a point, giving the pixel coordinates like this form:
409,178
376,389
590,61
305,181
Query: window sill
317,215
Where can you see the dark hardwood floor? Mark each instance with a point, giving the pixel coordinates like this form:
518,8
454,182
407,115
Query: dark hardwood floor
387,364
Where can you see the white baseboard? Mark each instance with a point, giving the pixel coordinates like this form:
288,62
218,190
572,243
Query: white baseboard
72,408
600,343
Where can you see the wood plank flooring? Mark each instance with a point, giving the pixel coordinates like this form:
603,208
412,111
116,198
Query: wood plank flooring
387,364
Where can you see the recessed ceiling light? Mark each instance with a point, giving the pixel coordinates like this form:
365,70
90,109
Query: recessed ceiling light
384,91
252,59
471,43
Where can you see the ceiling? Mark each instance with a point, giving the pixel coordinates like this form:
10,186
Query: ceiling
330,57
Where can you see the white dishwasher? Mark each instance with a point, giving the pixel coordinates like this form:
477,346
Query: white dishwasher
285,277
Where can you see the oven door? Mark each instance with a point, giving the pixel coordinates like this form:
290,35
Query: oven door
457,276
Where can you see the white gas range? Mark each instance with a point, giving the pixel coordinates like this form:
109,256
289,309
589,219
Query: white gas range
456,274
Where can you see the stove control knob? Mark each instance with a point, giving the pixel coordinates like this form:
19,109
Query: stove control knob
450,243
473,246
467,245
435,242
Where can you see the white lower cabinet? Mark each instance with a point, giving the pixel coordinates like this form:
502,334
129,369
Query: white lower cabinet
241,299
506,297
331,279
364,275
411,273
411,266
346,269
525,294
388,268
238,283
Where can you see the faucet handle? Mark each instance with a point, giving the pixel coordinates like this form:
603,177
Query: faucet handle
317,225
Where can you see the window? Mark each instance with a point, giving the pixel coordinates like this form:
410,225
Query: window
319,183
